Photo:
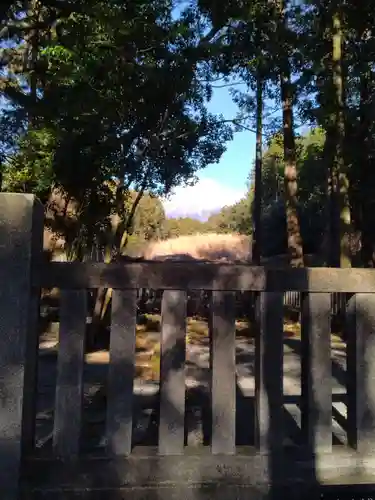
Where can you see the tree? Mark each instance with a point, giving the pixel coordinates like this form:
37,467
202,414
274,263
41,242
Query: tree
311,172
316,57
295,248
259,32
181,226
149,218
235,218
257,205
339,169
97,78
91,91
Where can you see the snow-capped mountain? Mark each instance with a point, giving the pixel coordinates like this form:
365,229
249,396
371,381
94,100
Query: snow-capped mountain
202,215
205,198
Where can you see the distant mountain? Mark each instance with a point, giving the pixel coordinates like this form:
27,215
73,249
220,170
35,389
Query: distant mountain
201,200
202,215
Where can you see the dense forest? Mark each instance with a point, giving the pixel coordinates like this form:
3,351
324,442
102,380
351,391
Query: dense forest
104,110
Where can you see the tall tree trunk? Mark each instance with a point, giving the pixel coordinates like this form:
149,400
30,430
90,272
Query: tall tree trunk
295,247
103,296
331,240
332,233
333,213
339,167
33,52
257,214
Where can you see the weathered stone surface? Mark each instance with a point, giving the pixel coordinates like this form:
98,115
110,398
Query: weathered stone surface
361,373
316,367
21,229
190,275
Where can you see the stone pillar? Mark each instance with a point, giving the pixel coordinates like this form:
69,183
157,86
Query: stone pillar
21,239
360,334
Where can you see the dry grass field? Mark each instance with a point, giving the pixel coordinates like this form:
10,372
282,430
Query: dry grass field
211,246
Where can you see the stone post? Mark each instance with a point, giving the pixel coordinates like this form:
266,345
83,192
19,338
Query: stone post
360,335
21,233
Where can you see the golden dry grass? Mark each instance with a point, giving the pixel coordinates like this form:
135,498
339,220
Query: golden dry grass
211,246
293,329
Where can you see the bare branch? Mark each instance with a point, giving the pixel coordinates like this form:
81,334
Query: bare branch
228,85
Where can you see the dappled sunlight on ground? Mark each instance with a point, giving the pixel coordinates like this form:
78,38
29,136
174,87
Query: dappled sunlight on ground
197,374
147,358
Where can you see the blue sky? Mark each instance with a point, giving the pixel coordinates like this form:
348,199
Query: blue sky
222,183
237,161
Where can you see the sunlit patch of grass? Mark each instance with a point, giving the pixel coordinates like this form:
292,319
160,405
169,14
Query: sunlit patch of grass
202,246
155,363
147,358
196,330
200,327
337,342
195,326
97,357
292,329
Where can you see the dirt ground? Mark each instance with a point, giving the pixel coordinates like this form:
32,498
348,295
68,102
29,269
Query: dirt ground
147,362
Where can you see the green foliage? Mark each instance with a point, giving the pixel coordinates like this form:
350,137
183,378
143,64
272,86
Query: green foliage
311,169
101,90
235,218
312,181
181,226
100,103
31,169
149,219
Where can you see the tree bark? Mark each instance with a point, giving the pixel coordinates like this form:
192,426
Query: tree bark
257,214
339,167
295,246
104,295
294,239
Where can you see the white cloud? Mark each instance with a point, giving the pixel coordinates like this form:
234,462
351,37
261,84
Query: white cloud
205,196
